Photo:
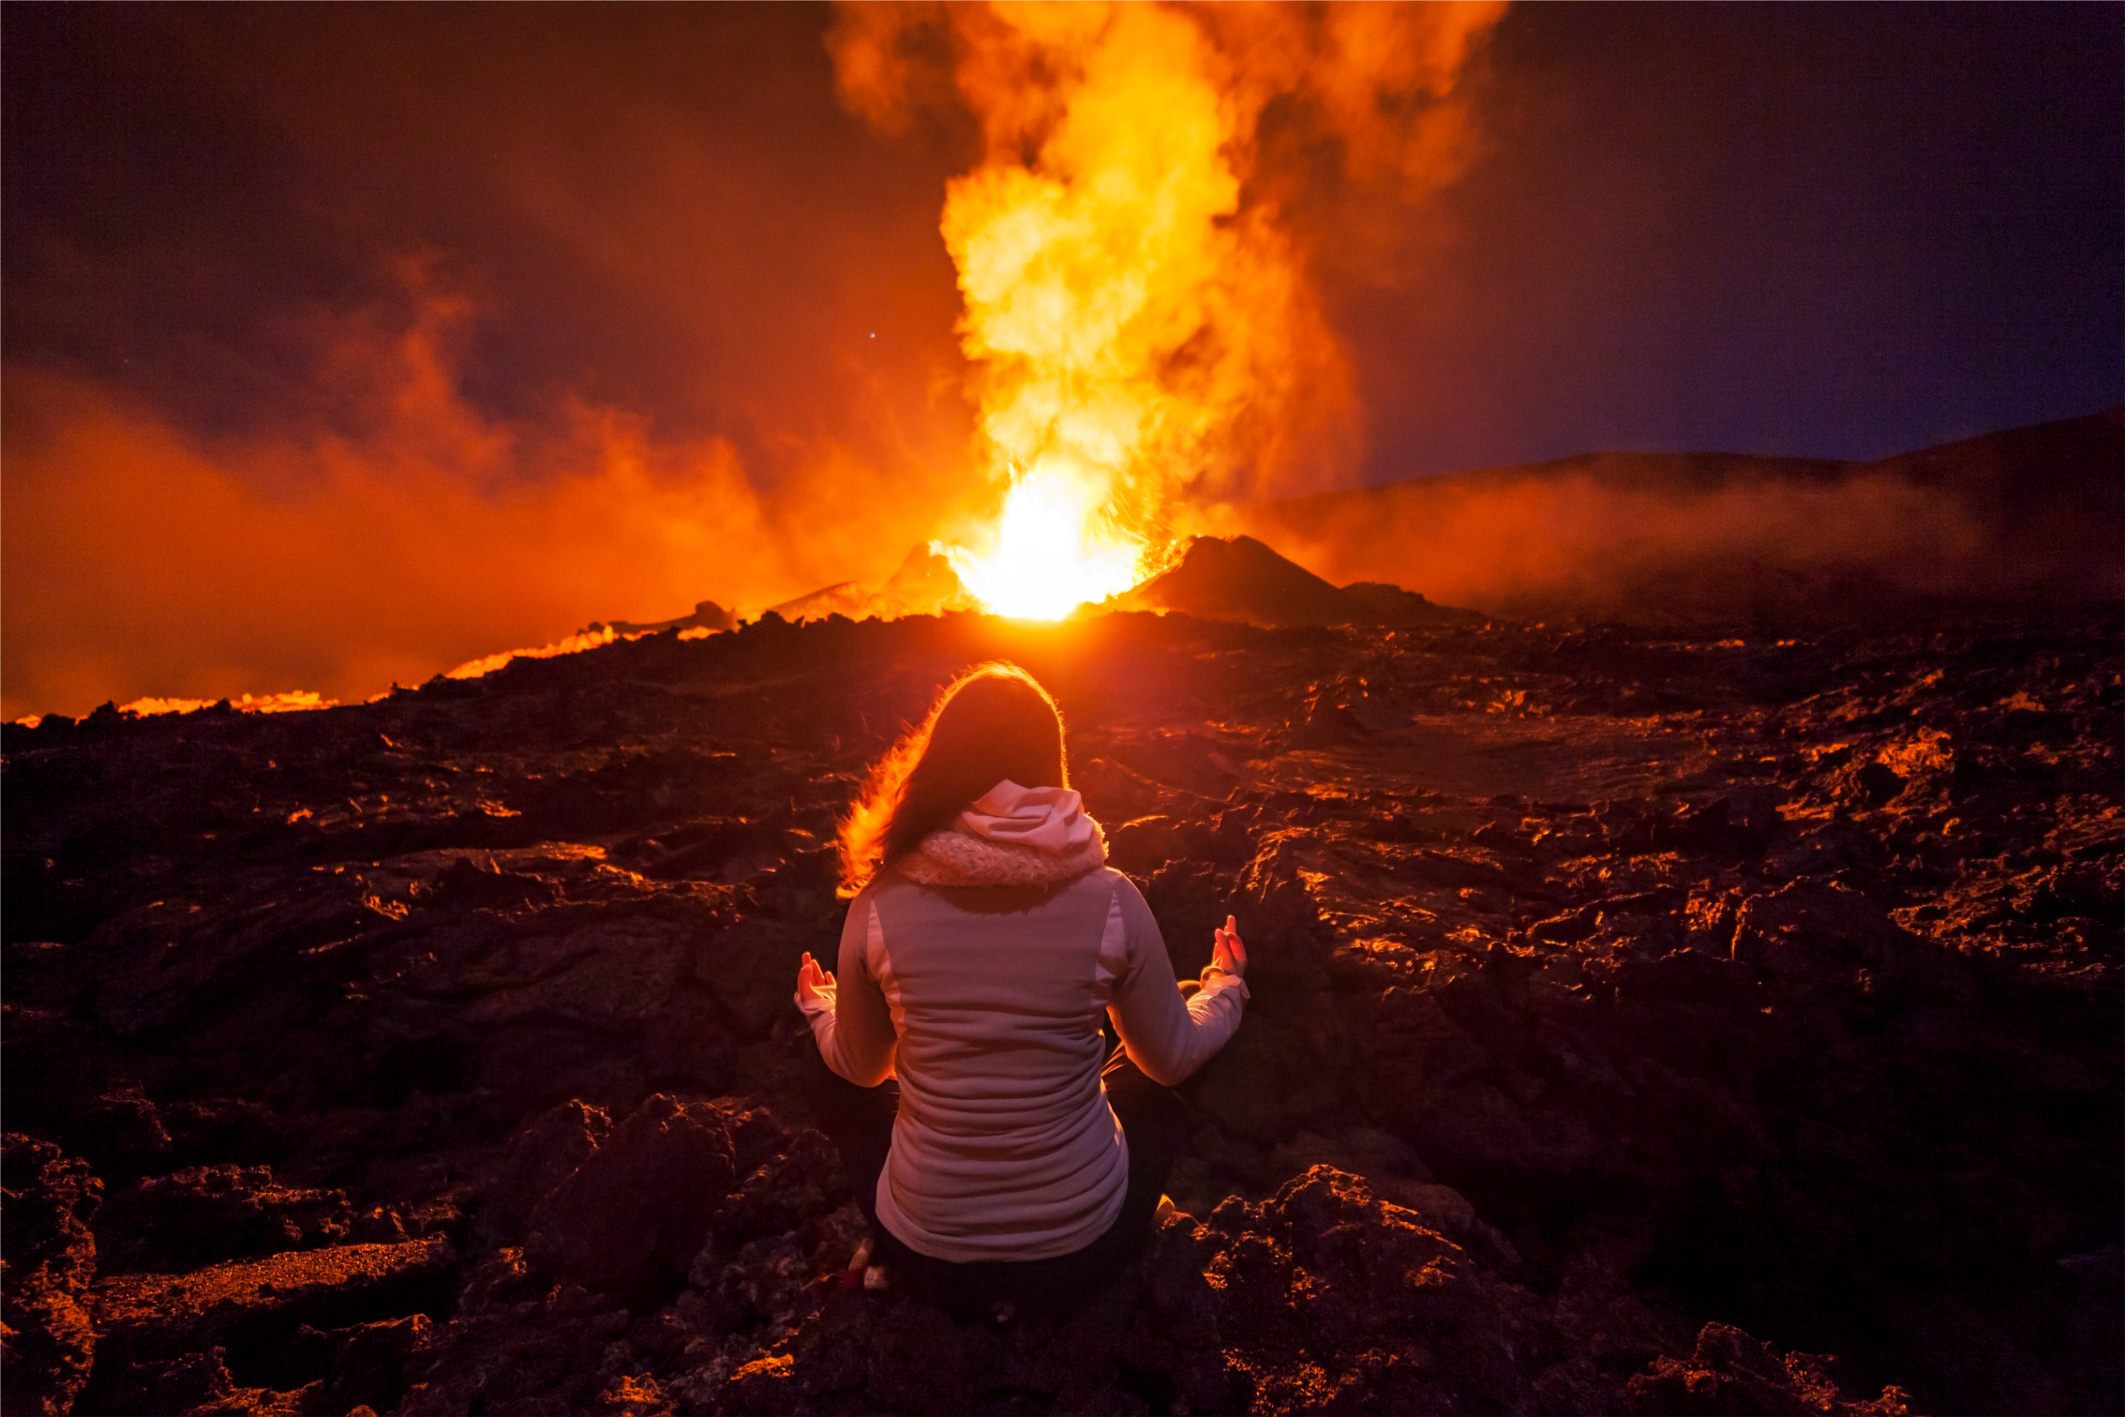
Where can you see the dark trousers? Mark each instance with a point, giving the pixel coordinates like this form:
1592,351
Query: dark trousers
860,1122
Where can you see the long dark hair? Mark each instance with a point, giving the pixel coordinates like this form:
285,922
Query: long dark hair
992,723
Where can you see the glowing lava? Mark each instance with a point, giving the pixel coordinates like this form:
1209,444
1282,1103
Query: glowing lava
1116,312
1054,550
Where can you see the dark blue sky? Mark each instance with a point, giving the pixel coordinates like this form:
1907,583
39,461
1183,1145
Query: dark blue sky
1809,229
1827,230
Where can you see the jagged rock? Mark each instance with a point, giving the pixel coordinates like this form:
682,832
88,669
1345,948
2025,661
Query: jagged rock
1272,1080
784,1180
1115,793
254,1304
707,615
369,1362
637,1397
540,1158
205,1214
924,584
630,1219
1392,605
1255,1306
1242,579
1730,1372
122,1132
762,1282
1187,761
47,1262
185,1384
1577,944
221,1130
535,1356
1811,934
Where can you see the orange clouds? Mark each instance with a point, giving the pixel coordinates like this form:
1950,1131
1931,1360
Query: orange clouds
142,561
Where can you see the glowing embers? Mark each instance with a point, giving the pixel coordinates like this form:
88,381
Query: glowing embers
287,701
1056,547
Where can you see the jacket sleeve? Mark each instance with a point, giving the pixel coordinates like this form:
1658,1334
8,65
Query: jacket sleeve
1166,1036
853,1024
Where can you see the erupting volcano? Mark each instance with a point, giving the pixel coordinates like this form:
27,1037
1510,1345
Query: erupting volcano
1143,337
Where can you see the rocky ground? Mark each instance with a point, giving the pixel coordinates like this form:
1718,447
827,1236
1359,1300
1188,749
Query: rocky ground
1638,1022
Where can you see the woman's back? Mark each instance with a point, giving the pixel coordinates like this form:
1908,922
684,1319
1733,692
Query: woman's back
1004,1143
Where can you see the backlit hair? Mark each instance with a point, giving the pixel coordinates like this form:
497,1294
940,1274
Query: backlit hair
992,723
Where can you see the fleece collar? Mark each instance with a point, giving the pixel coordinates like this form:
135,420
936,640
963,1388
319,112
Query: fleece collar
1013,836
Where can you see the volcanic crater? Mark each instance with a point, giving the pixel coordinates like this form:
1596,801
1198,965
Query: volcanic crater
1642,1022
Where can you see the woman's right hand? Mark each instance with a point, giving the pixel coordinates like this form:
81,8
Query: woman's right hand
813,982
1229,954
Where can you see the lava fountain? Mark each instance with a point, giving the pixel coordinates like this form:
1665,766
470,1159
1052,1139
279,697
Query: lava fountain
1142,335
1085,274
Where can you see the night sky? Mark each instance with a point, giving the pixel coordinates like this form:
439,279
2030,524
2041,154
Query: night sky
288,252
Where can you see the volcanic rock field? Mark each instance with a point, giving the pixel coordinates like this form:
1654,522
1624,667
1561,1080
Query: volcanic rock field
1642,1023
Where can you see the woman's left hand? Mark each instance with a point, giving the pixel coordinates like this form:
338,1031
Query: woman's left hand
814,983
1228,953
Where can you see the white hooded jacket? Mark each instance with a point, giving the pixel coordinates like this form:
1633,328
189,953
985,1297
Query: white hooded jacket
976,969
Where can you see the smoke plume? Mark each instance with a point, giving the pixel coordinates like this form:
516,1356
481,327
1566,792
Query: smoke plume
1144,335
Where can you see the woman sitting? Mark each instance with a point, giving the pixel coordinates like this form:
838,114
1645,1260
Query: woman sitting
997,1150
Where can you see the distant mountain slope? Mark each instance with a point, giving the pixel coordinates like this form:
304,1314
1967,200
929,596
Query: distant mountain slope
1241,579
2020,518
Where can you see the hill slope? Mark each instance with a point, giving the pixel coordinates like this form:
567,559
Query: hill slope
2022,519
